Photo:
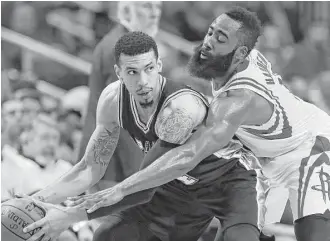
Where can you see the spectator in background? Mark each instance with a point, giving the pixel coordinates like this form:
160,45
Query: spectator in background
6,93
319,91
30,99
73,110
193,19
270,44
69,123
310,57
12,111
33,164
132,16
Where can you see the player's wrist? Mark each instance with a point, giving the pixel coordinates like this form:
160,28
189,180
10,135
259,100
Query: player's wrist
78,214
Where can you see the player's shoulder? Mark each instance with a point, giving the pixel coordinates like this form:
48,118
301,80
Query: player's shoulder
189,101
179,118
108,102
255,69
186,107
111,91
241,93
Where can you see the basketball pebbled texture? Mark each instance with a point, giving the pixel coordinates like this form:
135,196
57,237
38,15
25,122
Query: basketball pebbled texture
17,214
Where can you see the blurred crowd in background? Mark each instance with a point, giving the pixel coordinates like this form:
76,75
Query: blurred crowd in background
39,126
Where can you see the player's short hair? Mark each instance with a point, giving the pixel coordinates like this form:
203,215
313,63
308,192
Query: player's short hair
135,43
250,29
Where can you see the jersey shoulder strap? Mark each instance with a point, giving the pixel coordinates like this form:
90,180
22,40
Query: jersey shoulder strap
173,90
257,77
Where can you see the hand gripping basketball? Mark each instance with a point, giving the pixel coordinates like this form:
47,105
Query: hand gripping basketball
16,214
57,220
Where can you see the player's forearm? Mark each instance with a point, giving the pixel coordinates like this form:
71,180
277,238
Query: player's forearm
89,170
127,202
73,183
165,169
138,198
178,161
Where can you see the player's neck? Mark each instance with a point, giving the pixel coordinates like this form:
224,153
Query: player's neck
146,112
219,82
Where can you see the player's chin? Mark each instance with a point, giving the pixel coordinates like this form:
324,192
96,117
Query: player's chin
146,103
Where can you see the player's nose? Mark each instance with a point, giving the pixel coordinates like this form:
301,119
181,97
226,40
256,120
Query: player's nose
143,80
207,46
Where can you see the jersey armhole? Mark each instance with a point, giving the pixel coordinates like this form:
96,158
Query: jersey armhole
263,94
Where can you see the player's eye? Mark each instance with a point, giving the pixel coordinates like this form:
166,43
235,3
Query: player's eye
221,39
151,68
131,72
209,33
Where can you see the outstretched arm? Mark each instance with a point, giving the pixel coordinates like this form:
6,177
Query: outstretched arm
225,115
96,158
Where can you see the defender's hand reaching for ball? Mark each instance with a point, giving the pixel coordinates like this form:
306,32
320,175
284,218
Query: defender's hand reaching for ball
94,201
57,220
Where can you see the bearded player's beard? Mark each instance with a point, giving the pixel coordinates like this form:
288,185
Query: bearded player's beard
212,67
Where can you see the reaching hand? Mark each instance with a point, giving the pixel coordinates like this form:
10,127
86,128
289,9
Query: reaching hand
97,200
57,220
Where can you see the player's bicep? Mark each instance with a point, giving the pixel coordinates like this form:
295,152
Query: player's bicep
179,118
225,115
233,108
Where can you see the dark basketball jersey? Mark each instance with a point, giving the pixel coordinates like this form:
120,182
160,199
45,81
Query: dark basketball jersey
144,134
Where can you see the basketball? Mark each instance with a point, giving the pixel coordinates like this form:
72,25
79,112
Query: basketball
16,214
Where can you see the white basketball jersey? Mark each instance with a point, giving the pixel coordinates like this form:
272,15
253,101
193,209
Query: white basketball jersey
293,120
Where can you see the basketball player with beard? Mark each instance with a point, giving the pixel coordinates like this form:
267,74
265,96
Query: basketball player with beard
290,137
161,114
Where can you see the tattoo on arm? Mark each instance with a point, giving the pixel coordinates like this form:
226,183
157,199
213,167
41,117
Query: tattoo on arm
175,127
176,122
103,146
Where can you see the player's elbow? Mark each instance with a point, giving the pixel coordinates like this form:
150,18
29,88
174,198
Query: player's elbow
85,175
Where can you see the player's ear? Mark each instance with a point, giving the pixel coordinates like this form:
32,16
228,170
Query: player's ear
117,71
159,65
241,52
